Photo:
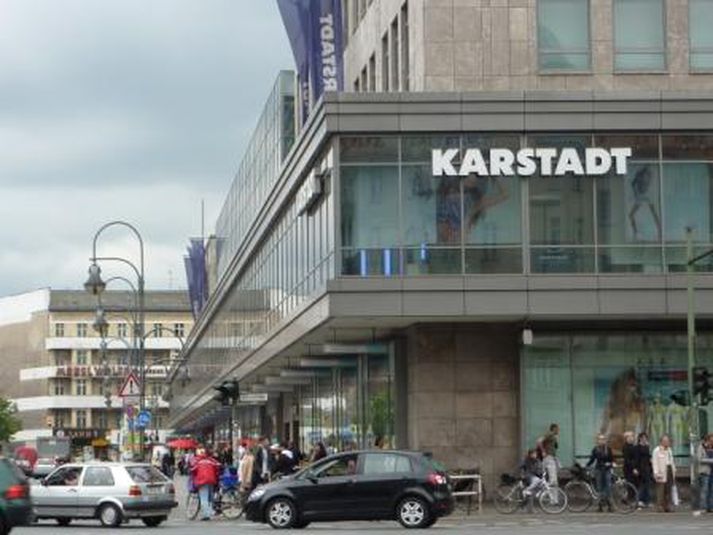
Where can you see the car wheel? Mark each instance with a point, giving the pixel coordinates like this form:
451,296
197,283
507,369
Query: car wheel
153,521
413,513
63,521
281,513
109,515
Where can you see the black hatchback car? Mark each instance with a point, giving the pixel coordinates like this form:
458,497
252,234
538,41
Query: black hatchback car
364,485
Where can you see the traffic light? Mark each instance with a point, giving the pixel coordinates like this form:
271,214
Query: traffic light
228,392
701,384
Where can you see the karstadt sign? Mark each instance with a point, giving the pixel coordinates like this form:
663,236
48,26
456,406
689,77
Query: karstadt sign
528,161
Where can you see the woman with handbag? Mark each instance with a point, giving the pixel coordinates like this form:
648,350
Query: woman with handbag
664,474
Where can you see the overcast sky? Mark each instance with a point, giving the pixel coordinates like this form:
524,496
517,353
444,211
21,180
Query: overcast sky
123,109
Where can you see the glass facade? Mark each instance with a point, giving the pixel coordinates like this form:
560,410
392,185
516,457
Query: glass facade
259,170
289,268
639,35
350,406
701,37
563,35
397,219
609,383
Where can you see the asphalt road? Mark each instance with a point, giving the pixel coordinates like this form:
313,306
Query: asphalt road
645,523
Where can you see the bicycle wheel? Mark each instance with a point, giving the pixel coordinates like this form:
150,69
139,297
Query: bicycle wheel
624,497
232,505
553,500
193,505
508,498
579,496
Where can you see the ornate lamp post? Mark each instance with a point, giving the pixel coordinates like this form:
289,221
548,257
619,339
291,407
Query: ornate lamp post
96,285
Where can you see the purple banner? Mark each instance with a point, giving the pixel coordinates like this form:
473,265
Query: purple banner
314,28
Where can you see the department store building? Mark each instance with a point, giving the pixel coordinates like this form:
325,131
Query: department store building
484,235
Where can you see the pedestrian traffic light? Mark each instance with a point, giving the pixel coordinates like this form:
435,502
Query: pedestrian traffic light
228,392
701,384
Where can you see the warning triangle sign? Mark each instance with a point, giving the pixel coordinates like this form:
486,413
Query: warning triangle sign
131,386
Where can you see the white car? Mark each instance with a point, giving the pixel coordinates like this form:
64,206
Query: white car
110,492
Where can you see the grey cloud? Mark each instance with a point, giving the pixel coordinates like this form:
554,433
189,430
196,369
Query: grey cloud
123,108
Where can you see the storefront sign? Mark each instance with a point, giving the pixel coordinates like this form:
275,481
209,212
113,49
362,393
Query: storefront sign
106,371
528,162
88,434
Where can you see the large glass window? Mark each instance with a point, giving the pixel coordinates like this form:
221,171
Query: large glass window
701,37
610,384
563,34
639,35
370,219
561,215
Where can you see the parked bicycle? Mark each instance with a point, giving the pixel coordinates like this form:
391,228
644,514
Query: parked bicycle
582,493
510,496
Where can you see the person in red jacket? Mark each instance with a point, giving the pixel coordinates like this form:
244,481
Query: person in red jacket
205,470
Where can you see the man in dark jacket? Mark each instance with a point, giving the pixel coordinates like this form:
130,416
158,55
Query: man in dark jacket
261,467
603,461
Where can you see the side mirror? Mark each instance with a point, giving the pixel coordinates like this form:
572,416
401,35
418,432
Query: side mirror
43,481
311,477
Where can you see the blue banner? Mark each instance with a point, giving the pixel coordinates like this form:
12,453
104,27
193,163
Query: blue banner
197,276
314,28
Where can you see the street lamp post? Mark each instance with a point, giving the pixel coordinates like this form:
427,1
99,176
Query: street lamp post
691,261
96,286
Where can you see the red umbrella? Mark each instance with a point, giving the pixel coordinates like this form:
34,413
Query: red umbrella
182,444
26,457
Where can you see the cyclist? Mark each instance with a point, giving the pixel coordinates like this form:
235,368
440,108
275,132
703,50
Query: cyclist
603,461
532,472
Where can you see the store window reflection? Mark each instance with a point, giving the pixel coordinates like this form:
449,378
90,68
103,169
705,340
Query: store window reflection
610,384
350,406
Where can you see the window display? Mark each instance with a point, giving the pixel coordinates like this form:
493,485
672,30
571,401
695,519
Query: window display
610,384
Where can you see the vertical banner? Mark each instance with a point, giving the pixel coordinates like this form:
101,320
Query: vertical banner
314,28
197,276
296,18
326,49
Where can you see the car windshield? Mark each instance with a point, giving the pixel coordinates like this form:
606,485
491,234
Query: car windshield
145,474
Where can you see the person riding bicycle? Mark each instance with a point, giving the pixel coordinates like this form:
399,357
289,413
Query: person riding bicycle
603,461
532,472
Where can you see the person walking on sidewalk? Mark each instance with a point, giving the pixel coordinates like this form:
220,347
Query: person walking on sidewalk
629,456
205,472
664,474
603,461
549,446
643,466
705,477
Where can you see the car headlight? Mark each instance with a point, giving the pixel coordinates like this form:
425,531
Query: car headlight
256,494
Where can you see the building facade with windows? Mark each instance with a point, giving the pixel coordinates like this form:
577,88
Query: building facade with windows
65,381
493,243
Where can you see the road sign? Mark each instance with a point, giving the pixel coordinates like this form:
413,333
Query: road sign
143,419
131,386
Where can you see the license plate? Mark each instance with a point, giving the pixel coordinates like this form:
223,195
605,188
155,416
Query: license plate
154,490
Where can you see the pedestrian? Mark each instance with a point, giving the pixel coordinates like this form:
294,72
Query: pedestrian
603,461
664,470
261,465
629,456
705,462
549,447
319,451
247,472
644,468
205,472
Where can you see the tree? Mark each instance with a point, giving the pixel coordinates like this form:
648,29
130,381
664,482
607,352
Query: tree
9,423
